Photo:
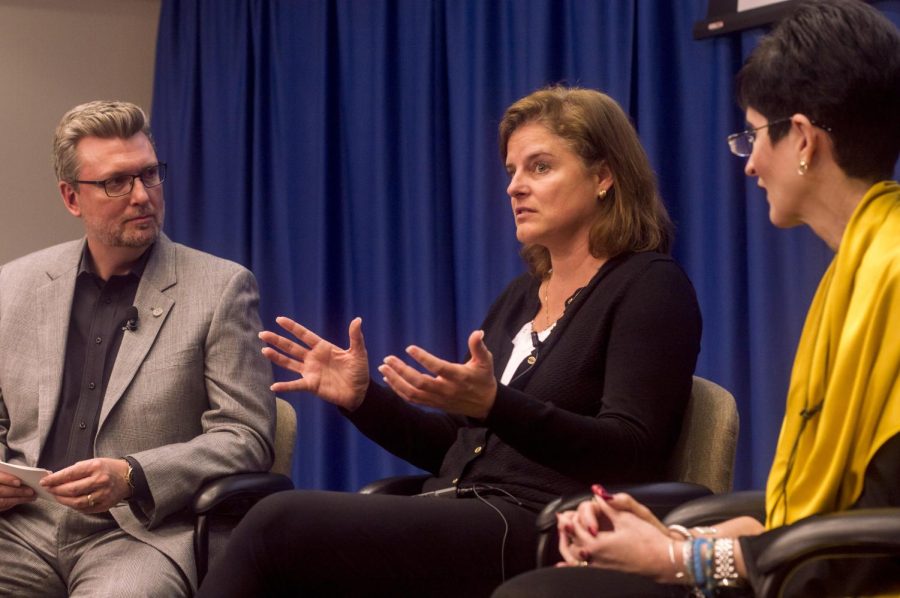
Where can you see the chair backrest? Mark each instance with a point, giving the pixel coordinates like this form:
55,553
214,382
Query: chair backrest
285,437
706,448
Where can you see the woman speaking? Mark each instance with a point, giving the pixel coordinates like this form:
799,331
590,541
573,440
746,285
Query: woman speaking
581,371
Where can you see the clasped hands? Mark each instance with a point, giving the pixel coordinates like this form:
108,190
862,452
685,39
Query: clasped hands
614,532
341,376
90,486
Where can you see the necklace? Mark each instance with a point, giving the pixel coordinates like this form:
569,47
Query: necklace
546,285
547,301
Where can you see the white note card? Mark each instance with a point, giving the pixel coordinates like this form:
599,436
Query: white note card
30,476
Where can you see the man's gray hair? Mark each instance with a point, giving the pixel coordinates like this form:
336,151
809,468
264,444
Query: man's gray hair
104,119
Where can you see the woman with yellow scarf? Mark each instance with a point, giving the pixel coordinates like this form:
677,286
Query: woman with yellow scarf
822,99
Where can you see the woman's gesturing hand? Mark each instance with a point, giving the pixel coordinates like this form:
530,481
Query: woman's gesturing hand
462,388
339,376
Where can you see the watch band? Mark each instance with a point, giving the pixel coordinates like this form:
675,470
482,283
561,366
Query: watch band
129,475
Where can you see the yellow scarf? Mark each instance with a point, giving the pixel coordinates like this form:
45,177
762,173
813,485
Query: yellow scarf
847,370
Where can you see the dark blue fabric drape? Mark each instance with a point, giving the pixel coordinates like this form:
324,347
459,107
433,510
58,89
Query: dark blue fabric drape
345,151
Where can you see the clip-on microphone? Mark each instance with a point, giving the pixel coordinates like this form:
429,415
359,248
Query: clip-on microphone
130,323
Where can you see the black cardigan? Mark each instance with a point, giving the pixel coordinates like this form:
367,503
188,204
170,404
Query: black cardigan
603,403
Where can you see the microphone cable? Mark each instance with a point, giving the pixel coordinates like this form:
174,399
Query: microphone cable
474,490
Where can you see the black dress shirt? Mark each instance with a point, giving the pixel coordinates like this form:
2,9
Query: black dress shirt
96,326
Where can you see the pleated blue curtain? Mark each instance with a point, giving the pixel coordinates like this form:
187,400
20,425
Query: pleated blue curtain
345,151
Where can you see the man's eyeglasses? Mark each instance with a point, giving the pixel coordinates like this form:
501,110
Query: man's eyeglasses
741,144
122,184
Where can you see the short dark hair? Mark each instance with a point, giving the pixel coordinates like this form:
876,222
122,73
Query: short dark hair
838,63
632,216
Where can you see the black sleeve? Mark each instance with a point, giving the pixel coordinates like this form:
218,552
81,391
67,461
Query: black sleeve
141,491
845,577
420,437
648,361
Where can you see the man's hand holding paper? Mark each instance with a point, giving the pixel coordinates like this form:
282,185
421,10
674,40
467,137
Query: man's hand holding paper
13,491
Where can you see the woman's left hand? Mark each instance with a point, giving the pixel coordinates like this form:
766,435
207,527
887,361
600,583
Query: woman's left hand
600,535
462,388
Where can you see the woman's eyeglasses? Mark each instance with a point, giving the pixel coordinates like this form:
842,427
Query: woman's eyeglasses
741,144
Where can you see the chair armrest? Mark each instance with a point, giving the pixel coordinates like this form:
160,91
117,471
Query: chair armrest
863,532
405,485
235,491
714,509
229,496
659,498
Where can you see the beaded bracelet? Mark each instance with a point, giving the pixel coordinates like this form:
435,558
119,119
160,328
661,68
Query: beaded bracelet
698,557
708,564
725,571
701,577
710,587
682,531
687,561
705,530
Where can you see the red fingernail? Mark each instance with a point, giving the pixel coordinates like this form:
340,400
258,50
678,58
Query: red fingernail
601,492
584,555
593,530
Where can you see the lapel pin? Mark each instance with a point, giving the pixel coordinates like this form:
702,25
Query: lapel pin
156,311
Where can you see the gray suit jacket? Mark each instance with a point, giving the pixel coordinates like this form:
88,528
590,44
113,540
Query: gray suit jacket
188,396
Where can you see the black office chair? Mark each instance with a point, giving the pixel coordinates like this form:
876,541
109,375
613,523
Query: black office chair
701,463
863,533
225,500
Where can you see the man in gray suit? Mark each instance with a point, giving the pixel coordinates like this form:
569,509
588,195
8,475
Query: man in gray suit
129,367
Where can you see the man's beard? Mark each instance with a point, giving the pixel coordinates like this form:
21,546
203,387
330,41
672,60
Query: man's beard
142,238
123,236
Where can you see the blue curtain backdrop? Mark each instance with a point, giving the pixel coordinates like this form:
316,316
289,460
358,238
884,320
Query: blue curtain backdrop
345,151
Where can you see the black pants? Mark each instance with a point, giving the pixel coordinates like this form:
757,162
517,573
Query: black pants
585,582
307,543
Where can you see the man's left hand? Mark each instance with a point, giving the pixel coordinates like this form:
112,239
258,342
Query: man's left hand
91,486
